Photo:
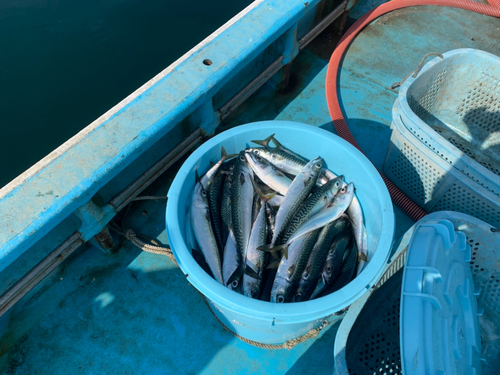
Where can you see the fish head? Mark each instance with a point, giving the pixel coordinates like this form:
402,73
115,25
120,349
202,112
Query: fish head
234,285
241,156
302,288
262,152
345,194
333,189
279,293
200,196
257,151
337,183
327,271
255,292
255,160
260,164
242,164
298,297
316,165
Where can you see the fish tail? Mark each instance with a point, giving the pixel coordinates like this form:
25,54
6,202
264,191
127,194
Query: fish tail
250,272
264,197
275,141
265,142
298,297
274,264
238,272
275,249
224,155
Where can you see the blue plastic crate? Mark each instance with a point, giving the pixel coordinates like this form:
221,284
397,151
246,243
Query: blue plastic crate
363,346
453,108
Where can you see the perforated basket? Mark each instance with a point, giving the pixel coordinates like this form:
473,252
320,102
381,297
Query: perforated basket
453,108
368,340
432,182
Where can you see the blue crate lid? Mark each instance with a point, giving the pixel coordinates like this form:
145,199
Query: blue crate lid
439,321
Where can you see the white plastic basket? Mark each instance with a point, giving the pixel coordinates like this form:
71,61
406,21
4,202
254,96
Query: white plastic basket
431,181
453,108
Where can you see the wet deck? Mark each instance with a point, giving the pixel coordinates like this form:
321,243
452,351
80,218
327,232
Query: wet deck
133,312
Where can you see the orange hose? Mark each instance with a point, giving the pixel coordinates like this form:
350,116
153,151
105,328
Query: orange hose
332,88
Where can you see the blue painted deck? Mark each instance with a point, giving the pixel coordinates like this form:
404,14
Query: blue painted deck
133,312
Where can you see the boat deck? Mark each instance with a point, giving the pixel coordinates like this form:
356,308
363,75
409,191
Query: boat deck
133,312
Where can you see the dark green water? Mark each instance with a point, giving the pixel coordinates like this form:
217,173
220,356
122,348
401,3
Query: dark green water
63,63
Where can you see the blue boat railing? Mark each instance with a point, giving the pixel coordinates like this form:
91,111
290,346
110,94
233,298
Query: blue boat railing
69,197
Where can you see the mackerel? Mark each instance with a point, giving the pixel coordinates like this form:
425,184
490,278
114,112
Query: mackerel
285,159
256,259
340,248
272,177
214,191
202,228
329,214
356,214
230,263
319,200
242,193
316,260
207,177
323,253
347,272
297,193
191,242
290,269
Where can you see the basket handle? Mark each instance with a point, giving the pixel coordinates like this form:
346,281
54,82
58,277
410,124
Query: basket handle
416,71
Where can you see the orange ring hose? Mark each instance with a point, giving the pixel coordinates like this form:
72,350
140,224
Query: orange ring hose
332,87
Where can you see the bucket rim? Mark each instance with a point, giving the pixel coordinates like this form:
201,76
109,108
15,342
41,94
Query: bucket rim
290,312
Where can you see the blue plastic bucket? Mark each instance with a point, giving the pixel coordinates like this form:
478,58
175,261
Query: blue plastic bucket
267,322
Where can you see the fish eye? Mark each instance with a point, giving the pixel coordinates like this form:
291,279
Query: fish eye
234,284
242,158
305,275
328,269
343,190
204,193
280,299
256,152
337,184
318,165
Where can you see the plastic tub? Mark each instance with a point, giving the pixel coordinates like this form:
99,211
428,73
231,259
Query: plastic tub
266,322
